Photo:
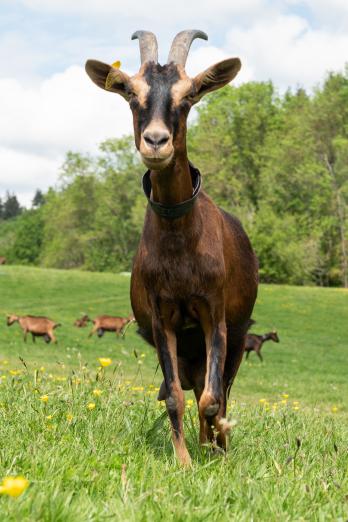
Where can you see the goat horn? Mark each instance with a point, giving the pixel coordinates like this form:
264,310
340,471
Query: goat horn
181,45
148,46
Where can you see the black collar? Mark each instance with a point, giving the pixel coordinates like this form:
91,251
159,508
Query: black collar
180,209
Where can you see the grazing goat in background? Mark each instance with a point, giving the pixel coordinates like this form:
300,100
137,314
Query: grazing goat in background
37,326
194,277
254,342
82,323
108,323
2,260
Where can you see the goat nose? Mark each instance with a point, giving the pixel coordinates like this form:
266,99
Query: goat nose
156,139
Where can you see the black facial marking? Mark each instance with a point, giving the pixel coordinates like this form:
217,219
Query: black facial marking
159,100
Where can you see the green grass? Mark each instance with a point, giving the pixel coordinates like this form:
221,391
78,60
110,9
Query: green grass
285,461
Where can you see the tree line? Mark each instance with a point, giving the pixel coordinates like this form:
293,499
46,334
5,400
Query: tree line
278,162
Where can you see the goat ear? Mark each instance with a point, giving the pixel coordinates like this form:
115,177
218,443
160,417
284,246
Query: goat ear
108,77
215,77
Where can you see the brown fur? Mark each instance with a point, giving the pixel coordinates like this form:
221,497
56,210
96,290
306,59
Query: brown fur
108,323
194,279
37,326
254,342
2,260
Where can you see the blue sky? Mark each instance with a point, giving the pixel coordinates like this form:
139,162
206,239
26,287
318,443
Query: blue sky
48,105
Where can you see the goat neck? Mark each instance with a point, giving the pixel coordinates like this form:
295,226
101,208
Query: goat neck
172,185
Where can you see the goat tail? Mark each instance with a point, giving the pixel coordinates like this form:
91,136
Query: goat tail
56,325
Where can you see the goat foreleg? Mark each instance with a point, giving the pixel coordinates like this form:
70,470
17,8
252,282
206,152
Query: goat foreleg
165,340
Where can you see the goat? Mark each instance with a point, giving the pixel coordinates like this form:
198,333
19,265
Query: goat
194,278
254,342
37,326
108,323
2,260
82,323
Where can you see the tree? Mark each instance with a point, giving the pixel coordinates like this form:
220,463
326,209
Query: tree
26,248
38,199
11,206
329,120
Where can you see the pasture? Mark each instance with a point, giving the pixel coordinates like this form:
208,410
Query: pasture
95,443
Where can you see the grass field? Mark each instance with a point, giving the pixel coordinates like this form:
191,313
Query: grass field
288,451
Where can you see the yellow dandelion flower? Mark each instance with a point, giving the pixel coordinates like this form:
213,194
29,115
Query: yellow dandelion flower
284,401
295,403
295,408
91,405
15,372
334,409
142,355
138,388
14,486
42,369
104,361
69,417
189,403
97,392
262,401
44,398
285,395
49,417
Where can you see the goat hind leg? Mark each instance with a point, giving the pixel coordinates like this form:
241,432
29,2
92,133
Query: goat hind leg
206,433
211,403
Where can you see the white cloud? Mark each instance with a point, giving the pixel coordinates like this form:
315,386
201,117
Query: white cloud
23,172
156,12
292,42
288,51
66,111
40,123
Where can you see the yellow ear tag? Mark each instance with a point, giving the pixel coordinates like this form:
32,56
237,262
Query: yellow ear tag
116,64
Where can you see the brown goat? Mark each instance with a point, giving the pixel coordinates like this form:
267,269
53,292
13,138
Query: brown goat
254,342
82,323
194,278
108,323
37,326
2,260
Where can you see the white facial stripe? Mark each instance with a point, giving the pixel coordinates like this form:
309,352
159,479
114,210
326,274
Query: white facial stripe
181,89
141,88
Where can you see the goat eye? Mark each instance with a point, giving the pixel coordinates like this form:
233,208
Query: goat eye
189,97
